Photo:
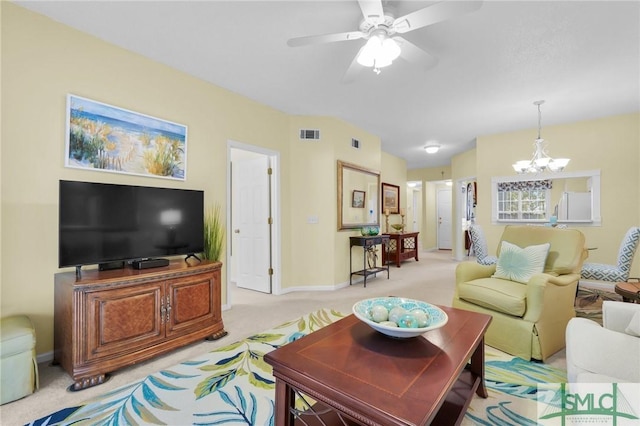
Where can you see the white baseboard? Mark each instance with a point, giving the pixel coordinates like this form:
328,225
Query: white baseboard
318,287
45,357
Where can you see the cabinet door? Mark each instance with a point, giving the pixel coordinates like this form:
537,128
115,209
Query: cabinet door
121,320
194,303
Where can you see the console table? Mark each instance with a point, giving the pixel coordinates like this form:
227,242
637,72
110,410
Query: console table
401,247
368,244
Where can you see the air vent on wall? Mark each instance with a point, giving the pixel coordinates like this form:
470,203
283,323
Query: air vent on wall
310,134
355,143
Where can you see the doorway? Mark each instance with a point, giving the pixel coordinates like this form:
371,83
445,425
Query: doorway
444,218
252,219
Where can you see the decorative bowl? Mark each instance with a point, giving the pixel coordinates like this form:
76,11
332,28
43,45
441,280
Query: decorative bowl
437,317
397,226
369,231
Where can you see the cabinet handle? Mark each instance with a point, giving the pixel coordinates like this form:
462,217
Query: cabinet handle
168,308
162,310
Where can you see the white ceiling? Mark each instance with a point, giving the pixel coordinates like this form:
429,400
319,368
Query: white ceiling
582,57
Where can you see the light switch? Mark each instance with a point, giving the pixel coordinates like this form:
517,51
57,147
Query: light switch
312,219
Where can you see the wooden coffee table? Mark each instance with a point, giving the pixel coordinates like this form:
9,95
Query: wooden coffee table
367,378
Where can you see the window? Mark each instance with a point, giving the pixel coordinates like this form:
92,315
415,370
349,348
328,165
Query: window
523,201
573,197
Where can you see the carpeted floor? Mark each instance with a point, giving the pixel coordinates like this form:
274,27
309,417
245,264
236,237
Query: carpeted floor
431,279
233,385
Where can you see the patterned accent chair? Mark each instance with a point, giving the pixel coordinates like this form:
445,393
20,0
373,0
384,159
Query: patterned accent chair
620,271
479,246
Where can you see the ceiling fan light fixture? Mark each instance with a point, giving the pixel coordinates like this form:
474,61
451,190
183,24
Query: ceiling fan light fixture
432,149
379,52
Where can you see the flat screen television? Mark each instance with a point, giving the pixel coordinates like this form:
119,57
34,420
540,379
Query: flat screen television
103,224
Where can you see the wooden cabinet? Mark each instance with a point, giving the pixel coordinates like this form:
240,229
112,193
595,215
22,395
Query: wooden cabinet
106,320
401,247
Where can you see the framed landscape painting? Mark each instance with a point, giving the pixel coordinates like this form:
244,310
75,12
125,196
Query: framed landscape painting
390,198
111,139
357,200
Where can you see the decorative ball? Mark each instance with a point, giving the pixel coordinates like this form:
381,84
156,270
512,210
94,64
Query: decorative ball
395,314
407,321
379,313
421,317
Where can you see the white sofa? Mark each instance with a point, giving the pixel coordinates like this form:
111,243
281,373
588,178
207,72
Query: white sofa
605,354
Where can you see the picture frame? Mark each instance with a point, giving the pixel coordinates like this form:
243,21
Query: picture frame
390,198
107,138
358,199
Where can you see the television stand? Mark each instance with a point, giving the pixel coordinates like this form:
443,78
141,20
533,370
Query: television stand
107,320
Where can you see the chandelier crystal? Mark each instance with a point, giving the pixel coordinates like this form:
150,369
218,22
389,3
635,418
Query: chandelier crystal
541,161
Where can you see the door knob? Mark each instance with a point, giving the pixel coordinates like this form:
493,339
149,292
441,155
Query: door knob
237,231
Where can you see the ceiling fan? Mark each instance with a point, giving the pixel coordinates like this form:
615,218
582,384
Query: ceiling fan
382,31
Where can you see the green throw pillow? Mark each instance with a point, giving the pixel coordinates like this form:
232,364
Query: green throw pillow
519,264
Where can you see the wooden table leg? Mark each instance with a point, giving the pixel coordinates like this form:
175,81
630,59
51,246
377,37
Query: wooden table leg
284,401
477,367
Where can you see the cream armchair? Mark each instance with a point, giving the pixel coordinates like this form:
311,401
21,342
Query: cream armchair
609,353
529,319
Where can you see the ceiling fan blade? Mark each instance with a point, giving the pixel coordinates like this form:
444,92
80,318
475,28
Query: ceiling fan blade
414,54
353,70
326,38
372,11
433,14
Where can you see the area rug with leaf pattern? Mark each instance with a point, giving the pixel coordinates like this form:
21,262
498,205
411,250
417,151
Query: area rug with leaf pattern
233,385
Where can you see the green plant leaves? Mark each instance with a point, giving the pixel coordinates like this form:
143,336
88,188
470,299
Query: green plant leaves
213,233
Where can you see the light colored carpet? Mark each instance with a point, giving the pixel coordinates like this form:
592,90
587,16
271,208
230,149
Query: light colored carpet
431,279
234,385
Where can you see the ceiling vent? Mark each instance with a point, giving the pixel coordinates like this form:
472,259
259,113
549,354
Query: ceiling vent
355,143
309,134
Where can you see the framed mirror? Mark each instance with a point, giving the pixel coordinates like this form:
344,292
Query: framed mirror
565,197
358,196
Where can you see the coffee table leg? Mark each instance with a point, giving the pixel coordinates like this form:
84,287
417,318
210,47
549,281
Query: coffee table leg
477,368
284,401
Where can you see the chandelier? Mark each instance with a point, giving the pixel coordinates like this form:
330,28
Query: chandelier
379,52
541,160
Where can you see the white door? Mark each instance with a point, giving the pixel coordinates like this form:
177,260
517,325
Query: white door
252,227
444,219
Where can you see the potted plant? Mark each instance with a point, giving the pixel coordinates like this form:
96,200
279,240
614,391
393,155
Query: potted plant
213,233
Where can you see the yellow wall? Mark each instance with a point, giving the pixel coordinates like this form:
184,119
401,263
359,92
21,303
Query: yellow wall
394,173
429,223
322,254
610,144
43,61
463,168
